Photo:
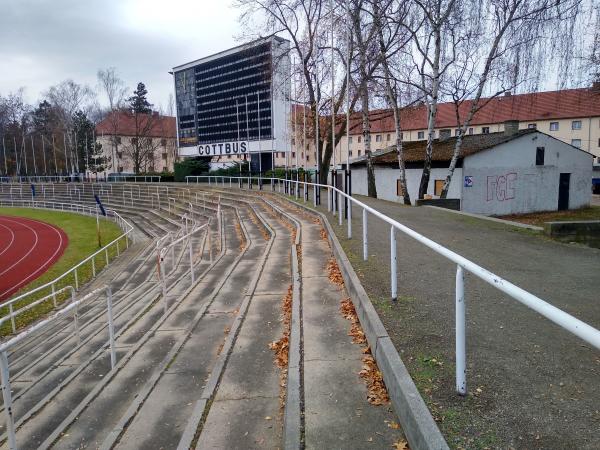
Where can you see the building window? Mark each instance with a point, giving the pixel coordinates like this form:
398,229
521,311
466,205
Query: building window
350,139
349,152
387,138
228,156
457,132
293,154
359,139
164,155
118,140
119,155
532,126
399,190
165,168
421,135
576,125
359,153
378,138
120,169
553,126
598,142
401,136
539,156
163,142
438,186
485,130
308,157
470,130
576,143
134,141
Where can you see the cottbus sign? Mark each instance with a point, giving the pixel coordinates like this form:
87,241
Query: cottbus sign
223,148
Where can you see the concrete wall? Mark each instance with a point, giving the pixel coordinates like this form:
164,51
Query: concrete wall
386,177
507,181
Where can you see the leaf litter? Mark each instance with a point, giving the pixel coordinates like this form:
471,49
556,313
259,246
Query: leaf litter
376,391
281,347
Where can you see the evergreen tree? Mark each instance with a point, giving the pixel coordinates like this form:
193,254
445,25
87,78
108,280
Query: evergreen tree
138,102
42,118
91,156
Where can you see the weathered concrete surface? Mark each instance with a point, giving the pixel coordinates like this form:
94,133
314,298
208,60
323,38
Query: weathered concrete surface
585,232
506,342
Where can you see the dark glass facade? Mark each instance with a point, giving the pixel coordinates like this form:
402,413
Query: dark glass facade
227,98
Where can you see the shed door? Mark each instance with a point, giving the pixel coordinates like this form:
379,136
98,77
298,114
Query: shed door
563,191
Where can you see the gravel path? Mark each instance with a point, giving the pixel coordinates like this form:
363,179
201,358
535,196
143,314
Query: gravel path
531,384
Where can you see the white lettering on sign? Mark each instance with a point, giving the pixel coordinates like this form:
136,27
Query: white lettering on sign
223,148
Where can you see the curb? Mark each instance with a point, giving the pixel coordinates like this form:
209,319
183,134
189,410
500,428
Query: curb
491,219
417,422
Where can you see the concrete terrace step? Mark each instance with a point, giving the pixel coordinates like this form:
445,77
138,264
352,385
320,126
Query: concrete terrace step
202,374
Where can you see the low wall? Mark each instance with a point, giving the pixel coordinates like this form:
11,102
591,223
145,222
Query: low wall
584,232
448,203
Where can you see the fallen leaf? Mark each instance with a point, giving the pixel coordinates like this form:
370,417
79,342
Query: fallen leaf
401,445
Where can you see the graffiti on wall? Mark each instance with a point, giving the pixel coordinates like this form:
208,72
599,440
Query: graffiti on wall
501,187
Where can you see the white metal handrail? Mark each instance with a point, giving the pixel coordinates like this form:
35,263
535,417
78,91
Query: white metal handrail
566,321
7,345
125,226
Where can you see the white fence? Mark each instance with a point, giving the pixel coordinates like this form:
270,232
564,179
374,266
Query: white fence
116,244
72,308
335,200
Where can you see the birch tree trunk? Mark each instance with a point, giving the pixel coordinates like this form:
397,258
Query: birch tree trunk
432,110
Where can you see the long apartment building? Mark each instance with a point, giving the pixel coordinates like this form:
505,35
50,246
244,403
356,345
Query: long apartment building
123,135
571,115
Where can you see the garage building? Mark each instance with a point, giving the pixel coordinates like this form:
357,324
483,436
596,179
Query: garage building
513,172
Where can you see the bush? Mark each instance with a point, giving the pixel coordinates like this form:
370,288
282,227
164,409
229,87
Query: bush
279,172
191,166
232,171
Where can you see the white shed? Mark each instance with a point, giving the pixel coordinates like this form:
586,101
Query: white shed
513,172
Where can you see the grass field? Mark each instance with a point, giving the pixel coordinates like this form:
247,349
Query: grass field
83,241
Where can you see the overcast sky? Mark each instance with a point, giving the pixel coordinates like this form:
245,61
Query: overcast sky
43,42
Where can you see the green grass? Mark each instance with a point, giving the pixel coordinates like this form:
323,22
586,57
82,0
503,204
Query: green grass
83,241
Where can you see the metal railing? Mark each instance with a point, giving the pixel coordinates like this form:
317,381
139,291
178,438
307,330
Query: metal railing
6,346
335,202
162,248
135,178
115,244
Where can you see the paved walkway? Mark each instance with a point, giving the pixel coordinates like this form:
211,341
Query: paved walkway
532,385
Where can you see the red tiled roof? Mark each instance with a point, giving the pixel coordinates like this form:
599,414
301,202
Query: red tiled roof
565,104
124,123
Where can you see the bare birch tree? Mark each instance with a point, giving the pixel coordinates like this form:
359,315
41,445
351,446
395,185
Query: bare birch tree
113,87
435,38
391,20
516,27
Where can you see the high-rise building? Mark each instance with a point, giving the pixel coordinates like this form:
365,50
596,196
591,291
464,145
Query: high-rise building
235,102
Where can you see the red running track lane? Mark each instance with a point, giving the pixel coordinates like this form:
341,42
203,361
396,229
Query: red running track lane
27,249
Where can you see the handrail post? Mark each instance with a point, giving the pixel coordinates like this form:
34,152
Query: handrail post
191,261
339,198
7,397
393,264
349,219
328,199
461,352
76,319
111,328
364,230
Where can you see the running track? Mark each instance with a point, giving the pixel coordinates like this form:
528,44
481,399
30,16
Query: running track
27,249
